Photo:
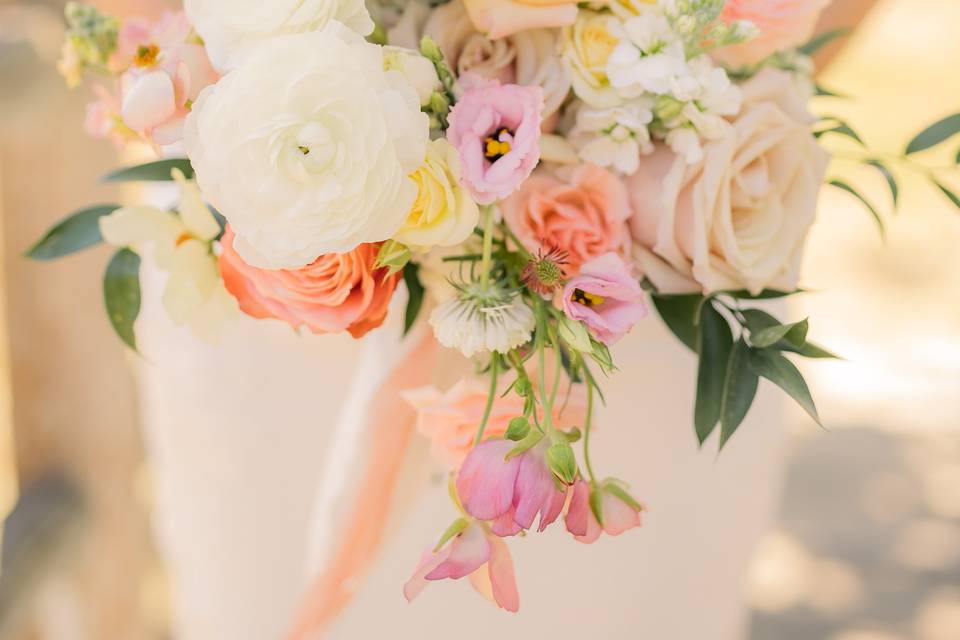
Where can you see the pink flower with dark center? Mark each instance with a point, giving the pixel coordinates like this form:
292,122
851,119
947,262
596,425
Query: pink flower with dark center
496,130
605,297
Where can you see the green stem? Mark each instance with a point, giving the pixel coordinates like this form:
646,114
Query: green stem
520,248
487,248
588,423
489,406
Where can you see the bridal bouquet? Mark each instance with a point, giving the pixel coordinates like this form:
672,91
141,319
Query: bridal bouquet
538,176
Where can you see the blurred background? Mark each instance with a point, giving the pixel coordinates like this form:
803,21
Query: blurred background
868,541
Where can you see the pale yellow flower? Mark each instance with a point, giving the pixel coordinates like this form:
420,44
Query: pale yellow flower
443,213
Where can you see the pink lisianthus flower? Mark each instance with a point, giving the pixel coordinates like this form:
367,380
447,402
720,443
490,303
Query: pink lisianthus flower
509,493
167,71
496,130
782,24
474,552
618,513
605,297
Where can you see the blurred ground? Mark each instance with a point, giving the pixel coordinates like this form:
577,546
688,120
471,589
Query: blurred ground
868,546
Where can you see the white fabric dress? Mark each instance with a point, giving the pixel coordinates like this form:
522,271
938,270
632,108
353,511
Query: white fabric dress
238,439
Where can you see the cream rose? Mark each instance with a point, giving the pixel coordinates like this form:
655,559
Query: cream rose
307,154
587,46
526,58
739,218
232,28
443,214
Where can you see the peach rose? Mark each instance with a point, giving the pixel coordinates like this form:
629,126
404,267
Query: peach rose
739,218
783,24
450,419
336,292
585,215
501,18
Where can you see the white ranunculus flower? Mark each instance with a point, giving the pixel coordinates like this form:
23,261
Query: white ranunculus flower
308,148
232,28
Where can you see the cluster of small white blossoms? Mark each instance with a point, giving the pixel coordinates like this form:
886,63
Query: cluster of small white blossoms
641,71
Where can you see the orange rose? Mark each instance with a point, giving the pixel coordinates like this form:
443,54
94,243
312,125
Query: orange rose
585,215
336,292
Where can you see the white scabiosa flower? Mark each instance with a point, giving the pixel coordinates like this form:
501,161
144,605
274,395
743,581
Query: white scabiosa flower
231,29
308,148
481,320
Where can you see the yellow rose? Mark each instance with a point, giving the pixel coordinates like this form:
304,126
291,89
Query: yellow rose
443,213
587,46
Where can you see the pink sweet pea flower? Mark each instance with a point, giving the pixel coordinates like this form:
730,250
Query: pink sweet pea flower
605,297
618,515
496,130
166,74
509,493
474,552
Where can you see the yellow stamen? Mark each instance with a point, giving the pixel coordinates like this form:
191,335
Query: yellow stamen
495,148
586,299
146,55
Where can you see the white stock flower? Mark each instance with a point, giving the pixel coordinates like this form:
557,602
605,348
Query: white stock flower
308,148
194,293
650,58
232,28
481,321
615,137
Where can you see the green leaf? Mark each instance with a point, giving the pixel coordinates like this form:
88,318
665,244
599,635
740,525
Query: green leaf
715,345
823,92
840,184
889,177
457,527
823,40
935,134
518,429
795,333
810,350
738,392
758,320
414,296
766,294
957,160
953,197
158,171
562,462
601,355
777,369
121,294
80,230
842,129
680,315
